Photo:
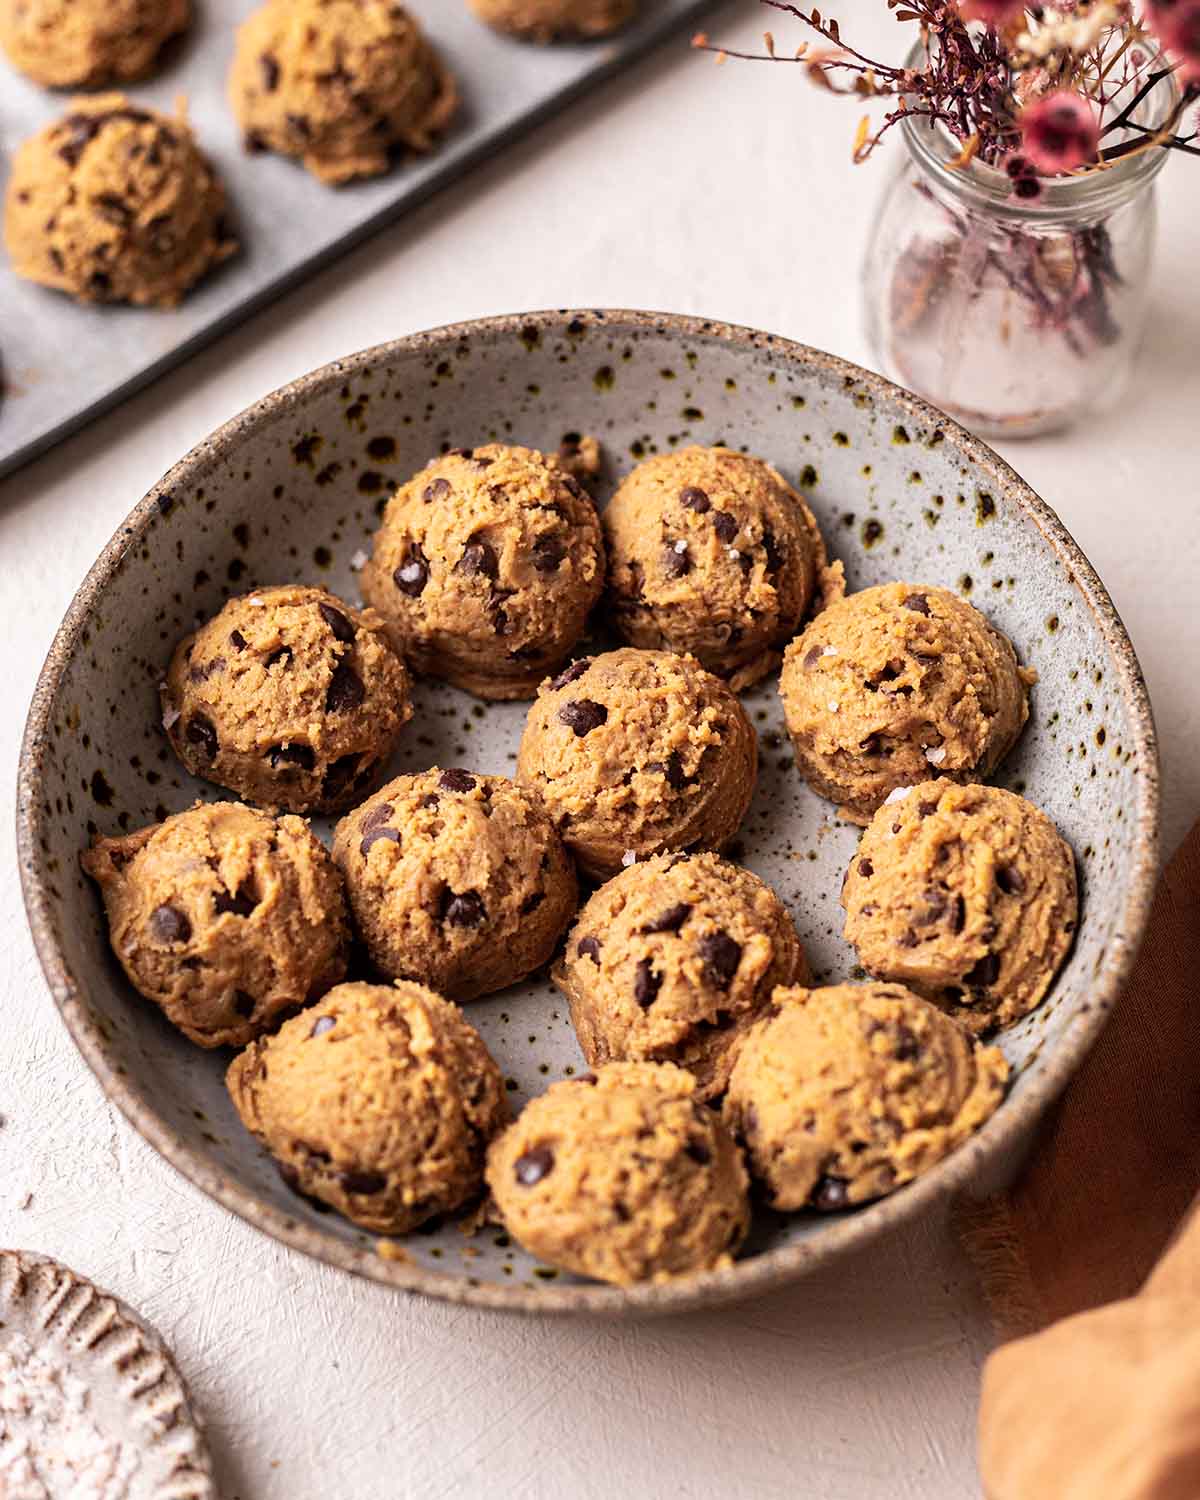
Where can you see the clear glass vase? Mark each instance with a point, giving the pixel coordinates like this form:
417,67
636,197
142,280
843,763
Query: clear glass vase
1013,315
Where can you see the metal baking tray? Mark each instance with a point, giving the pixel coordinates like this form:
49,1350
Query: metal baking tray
62,364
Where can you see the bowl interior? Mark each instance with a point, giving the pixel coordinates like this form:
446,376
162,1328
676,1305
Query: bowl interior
293,489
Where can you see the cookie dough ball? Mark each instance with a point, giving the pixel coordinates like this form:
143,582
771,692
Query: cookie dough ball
843,1094
638,752
115,203
622,1175
712,552
288,697
673,960
87,43
457,880
485,568
967,895
339,83
224,917
380,1102
549,20
897,683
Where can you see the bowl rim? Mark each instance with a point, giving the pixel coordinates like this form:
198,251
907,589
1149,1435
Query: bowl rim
772,1269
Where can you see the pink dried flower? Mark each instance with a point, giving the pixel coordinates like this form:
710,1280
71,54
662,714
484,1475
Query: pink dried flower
996,13
1059,133
1177,23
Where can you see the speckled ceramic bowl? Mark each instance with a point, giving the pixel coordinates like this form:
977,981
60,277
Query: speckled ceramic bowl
291,489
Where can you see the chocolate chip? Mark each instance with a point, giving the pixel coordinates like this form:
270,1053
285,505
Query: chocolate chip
548,553
413,573
532,902
671,769
812,656
721,957
926,809
1010,880
589,947
113,209
698,1151
905,1046
374,836
935,905
725,525
695,499
340,774
461,453
571,674
462,909
958,914
456,780
582,715
337,622
530,1168
675,560
985,972
346,690
646,984
908,938
237,640
637,576
377,815
430,799
363,1184
478,560
300,125
321,1025
284,654
866,869
670,920
588,1078
241,903
830,1195
200,732
775,553
295,755
918,603
243,1003
269,68
169,925
436,489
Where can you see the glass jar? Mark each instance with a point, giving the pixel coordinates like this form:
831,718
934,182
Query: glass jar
1013,315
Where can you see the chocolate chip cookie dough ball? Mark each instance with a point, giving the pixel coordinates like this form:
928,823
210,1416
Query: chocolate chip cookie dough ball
485,568
380,1102
622,1175
897,683
711,552
457,880
673,960
224,917
638,752
549,20
845,1093
288,697
115,203
967,895
339,83
87,43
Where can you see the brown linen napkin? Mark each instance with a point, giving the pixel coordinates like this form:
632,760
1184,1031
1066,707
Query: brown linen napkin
1105,1405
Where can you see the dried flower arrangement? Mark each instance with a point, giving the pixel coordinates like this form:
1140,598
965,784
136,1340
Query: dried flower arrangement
1014,305
1041,90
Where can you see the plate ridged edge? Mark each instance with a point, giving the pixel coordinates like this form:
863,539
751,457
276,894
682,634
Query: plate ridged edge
101,1339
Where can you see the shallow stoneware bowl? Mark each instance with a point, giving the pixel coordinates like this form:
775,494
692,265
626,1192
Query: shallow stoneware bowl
291,490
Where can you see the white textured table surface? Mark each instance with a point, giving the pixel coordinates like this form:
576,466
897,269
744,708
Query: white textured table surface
727,193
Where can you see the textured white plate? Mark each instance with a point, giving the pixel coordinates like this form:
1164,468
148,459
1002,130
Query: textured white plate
91,1404
291,490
